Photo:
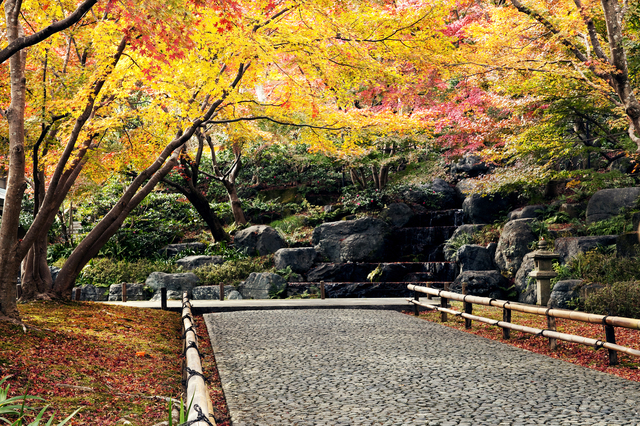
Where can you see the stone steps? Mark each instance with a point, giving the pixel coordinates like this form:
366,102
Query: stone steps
389,272
358,289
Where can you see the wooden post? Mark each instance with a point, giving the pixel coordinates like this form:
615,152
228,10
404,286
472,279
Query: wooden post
76,294
124,292
416,297
551,325
610,334
444,303
506,317
163,298
323,294
18,291
468,307
221,291
429,297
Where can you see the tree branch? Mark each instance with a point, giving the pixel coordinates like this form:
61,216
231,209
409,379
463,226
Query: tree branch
24,42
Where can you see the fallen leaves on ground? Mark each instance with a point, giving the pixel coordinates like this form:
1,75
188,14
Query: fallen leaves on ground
583,355
89,355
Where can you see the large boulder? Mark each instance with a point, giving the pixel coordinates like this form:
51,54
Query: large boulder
361,240
263,285
173,250
524,284
192,262
462,233
135,291
568,248
397,214
485,208
176,284
91,293
259,240
514,244
210,292
470,166
563,293
446,193
628,244
607,203
527,212
473,257
438,193
482,283
54,272
300,260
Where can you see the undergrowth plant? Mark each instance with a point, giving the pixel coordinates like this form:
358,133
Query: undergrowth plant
233,272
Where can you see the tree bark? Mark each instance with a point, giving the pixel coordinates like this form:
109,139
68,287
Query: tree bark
10,256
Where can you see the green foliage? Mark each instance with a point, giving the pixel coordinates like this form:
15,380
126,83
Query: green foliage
13,411
233,272
601,266
619,298
585,183
289,224
614,226
487,234
454,243
106,271
360,200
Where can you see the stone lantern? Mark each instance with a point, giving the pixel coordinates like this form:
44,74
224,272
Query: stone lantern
543,271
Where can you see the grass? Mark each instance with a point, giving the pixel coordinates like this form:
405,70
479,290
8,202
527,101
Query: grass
585,356
115,362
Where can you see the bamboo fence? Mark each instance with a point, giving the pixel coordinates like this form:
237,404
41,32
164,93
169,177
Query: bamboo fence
608,321
197,394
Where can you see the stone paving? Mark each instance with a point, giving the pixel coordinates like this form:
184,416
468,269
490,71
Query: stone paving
375,367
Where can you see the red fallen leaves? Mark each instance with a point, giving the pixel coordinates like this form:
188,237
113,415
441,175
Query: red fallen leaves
221,411
84,354
585,356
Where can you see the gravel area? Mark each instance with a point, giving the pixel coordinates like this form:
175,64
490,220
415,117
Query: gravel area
376,367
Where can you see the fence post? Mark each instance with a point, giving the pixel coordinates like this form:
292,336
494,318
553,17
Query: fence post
468,307
416,297
551,325
124,292
506,317
221,291
429,297
444,303
76,294
163,298
610,334
18,291
322,290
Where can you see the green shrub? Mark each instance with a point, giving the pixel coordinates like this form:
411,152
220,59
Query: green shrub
620,299
232,272
105,271
289,224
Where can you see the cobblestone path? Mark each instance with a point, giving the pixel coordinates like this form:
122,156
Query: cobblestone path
374,367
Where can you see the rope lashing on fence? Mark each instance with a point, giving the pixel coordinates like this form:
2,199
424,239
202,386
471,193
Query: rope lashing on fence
530,330
196,389
191,345
201,418
538,310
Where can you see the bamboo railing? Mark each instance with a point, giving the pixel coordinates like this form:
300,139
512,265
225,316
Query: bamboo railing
608,321
197,394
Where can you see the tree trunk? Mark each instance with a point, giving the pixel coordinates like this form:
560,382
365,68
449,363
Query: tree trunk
141,186
200,203
236,205
9,245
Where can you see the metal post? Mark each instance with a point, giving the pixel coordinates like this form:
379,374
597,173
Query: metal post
163,298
